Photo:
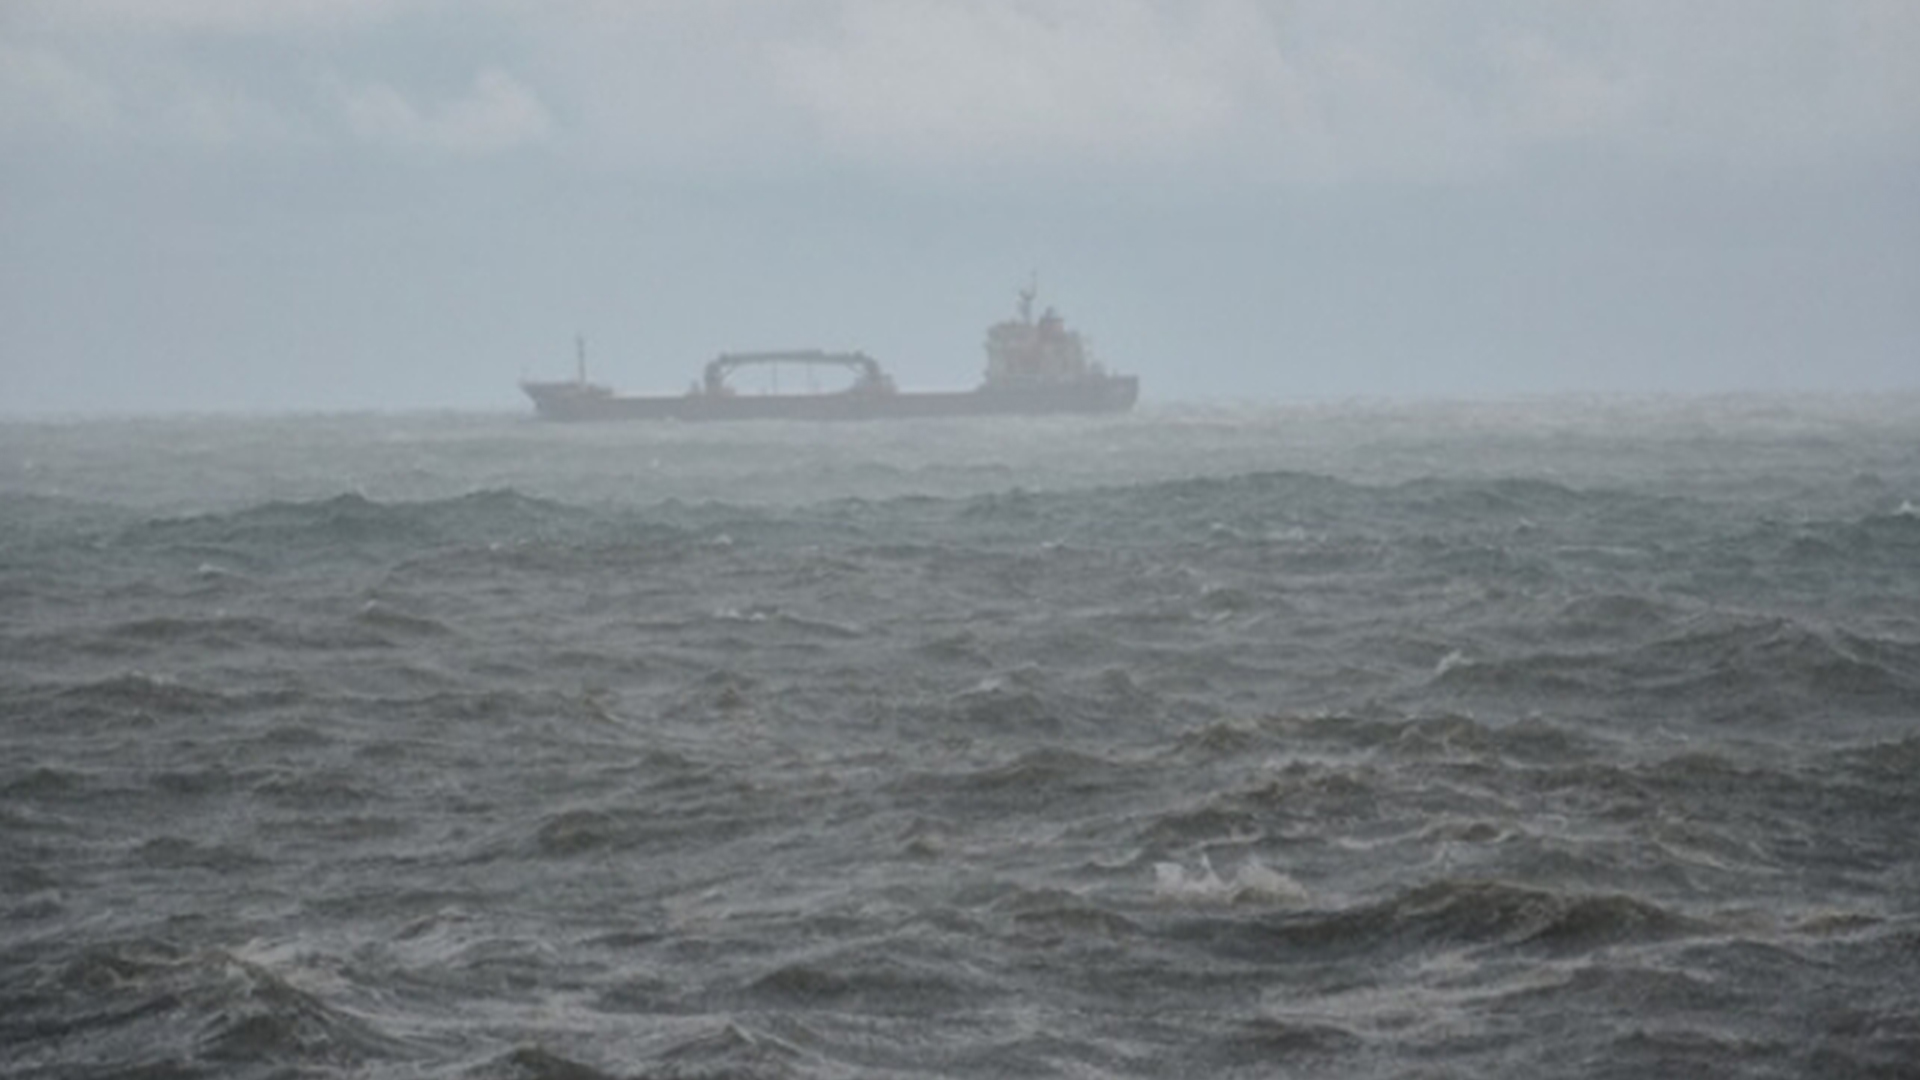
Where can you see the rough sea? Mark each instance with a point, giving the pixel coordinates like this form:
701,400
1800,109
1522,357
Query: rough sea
1536,739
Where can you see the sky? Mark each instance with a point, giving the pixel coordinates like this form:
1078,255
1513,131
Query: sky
328,205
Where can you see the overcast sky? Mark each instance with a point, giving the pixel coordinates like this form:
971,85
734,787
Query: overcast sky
403,204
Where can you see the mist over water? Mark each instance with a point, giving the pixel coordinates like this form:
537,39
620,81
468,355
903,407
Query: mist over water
1541,738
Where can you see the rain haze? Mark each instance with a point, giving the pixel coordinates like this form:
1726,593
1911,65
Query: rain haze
1489,648
221,205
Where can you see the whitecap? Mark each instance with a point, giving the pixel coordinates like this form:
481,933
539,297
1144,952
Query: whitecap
1253,882
1256,881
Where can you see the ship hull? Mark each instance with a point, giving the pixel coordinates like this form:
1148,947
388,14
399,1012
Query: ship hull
1092,395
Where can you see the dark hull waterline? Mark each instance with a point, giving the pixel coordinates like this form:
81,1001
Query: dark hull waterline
1092,395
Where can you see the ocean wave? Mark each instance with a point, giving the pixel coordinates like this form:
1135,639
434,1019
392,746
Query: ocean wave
1455,914
44,526
536,1062
1252,882
1232,816
1612,615
1502,498
355,527
1722,668
1894,762
1877,540
872,981
679,814
733,1050
182,853
393,623
1261,1044
1052,777
143,1005
1755,666
1297,739
1051,917
131,699
1569,757
192,639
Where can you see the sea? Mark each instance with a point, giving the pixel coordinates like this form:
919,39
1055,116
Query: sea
1527,738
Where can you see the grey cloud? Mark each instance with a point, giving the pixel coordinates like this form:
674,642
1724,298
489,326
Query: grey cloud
321,204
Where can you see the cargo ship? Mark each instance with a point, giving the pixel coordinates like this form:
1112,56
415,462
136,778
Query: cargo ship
1035,366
